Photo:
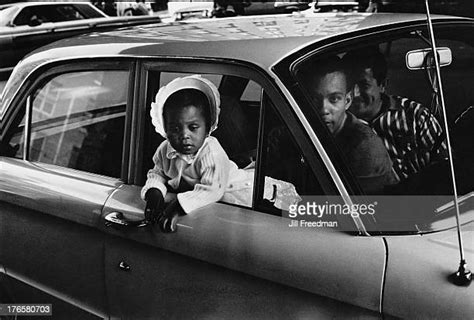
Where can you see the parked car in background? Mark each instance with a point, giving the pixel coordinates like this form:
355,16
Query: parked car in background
272,7
181,10
77,142
29,25
290,6
137,8
35,14
330,5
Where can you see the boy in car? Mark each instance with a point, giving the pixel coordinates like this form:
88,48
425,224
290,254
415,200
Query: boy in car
331,90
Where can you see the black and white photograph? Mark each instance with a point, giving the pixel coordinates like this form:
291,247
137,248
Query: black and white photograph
239,159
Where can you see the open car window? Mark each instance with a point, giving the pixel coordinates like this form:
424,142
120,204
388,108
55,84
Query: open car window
254,137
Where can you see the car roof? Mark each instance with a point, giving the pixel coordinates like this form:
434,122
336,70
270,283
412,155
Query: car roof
261,40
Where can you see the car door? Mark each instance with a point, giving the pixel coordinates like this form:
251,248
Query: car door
68,133
228,260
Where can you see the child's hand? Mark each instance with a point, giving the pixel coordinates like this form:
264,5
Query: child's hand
168,220
154,205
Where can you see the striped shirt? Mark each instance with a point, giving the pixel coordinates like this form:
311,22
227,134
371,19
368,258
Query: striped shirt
411,134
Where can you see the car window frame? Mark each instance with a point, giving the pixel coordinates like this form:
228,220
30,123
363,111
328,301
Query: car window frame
40,76
233,68
286,69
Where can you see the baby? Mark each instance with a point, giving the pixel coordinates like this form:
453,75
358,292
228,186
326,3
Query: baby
190,162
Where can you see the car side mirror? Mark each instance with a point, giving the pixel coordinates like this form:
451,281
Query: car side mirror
34,21
421,58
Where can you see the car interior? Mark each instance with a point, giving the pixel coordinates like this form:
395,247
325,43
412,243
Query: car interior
420,85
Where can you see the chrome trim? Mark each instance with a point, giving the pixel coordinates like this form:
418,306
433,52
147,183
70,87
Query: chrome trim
7,69
451,204
26,144
117,219
384,275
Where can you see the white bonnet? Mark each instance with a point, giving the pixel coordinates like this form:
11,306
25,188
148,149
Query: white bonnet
189,82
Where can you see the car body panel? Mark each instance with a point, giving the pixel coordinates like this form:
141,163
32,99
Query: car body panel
81,195
31,256
57,207
187,287
421,275
247,242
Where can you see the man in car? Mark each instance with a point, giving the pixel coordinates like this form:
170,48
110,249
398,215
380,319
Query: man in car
331,90
410,132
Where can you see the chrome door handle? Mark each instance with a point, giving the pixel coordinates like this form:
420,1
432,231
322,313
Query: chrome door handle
117,219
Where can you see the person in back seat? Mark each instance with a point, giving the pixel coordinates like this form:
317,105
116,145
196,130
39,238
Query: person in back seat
410,132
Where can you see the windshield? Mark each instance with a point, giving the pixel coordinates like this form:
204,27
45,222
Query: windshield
383,116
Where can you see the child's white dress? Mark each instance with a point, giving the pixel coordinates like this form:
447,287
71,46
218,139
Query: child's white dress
210,176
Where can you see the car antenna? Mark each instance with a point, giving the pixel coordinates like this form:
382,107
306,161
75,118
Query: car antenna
463,276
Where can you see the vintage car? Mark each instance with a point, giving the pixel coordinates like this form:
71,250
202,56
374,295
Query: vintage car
26,26
330,5
183,10
77,142
137,8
